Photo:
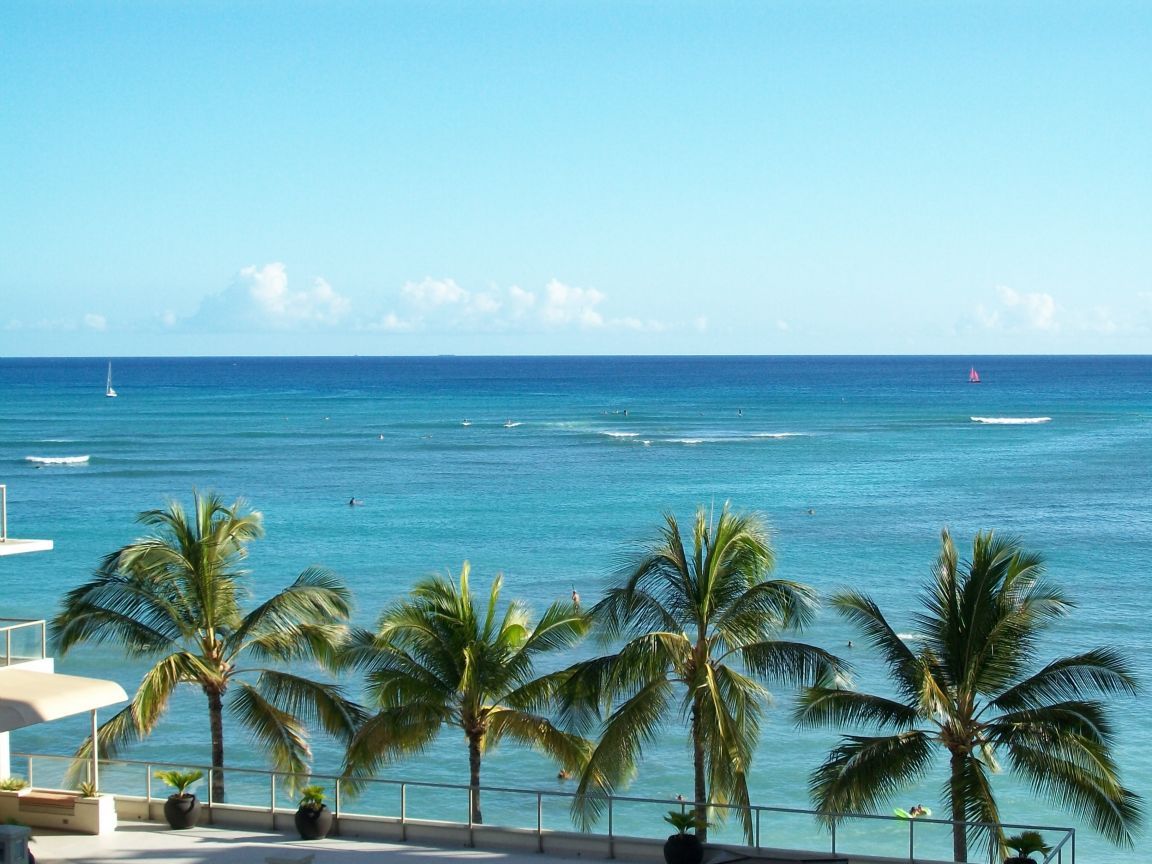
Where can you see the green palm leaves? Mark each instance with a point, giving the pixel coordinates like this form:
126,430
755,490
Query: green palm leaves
443,657
703,624
970,686
175,596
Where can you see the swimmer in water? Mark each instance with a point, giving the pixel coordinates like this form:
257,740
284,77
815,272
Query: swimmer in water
575,598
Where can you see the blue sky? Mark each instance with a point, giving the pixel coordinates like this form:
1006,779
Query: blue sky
575,177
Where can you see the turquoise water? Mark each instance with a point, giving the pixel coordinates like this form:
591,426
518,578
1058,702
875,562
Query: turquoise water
857,463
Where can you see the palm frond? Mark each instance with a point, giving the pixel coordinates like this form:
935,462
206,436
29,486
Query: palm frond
791,662
633,724
1085,781
1101,670
391,733
862,772
315,702
837,707
280,734
538,732
863,612
305,619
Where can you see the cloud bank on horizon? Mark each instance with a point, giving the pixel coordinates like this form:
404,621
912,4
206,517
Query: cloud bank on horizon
264,300
261,299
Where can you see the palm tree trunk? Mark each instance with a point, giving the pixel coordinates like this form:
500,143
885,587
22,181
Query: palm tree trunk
956,794
474,775
216,724
700,791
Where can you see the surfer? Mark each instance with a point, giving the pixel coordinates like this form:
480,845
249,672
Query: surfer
354,502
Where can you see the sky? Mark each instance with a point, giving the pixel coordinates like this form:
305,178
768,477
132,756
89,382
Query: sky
575,177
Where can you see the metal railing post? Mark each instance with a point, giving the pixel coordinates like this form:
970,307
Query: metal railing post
911,840
833,838
757,827
539,822
471,808
404,812
336,806
31,778
148,787
43,639
272,798
611,830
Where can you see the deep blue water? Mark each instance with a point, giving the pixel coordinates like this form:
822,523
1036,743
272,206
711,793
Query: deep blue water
857,462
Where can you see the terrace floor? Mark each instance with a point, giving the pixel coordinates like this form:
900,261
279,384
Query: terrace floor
149,843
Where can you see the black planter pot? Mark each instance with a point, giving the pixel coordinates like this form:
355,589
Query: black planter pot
1020,859
182,811
683,849
313,824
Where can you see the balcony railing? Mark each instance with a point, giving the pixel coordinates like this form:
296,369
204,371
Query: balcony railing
543,812
23,640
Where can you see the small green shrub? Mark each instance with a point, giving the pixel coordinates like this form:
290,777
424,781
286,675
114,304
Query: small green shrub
88,789
181,781
683,821
13,784
312,797
1027,842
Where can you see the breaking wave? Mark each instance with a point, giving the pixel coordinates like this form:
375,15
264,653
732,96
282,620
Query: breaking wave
57,460
1011,421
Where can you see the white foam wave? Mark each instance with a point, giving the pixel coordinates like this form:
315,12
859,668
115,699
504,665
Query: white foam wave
1011,421
611,434
511,424
910,637
735,439
57,460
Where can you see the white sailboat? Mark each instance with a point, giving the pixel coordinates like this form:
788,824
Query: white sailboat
108,391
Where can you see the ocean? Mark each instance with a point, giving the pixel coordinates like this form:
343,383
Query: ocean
564,466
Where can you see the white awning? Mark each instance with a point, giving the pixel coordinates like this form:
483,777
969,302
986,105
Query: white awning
27,697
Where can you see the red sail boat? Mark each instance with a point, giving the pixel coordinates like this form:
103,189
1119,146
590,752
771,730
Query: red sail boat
973,376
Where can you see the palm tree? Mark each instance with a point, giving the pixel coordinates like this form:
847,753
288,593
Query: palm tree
702,626
437,660
175,596
965,686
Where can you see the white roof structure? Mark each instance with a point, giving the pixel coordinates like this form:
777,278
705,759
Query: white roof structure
12,546
28,697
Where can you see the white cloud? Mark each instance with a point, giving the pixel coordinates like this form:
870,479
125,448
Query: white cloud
261,299
93,321
565,304
432,293
1017,312
443,304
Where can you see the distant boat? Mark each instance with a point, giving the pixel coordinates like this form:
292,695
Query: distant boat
466,423
973,376
108,391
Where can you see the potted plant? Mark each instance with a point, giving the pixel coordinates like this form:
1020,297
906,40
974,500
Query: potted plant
13,784
1024,844
682,847
88,790
182,810
313,818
